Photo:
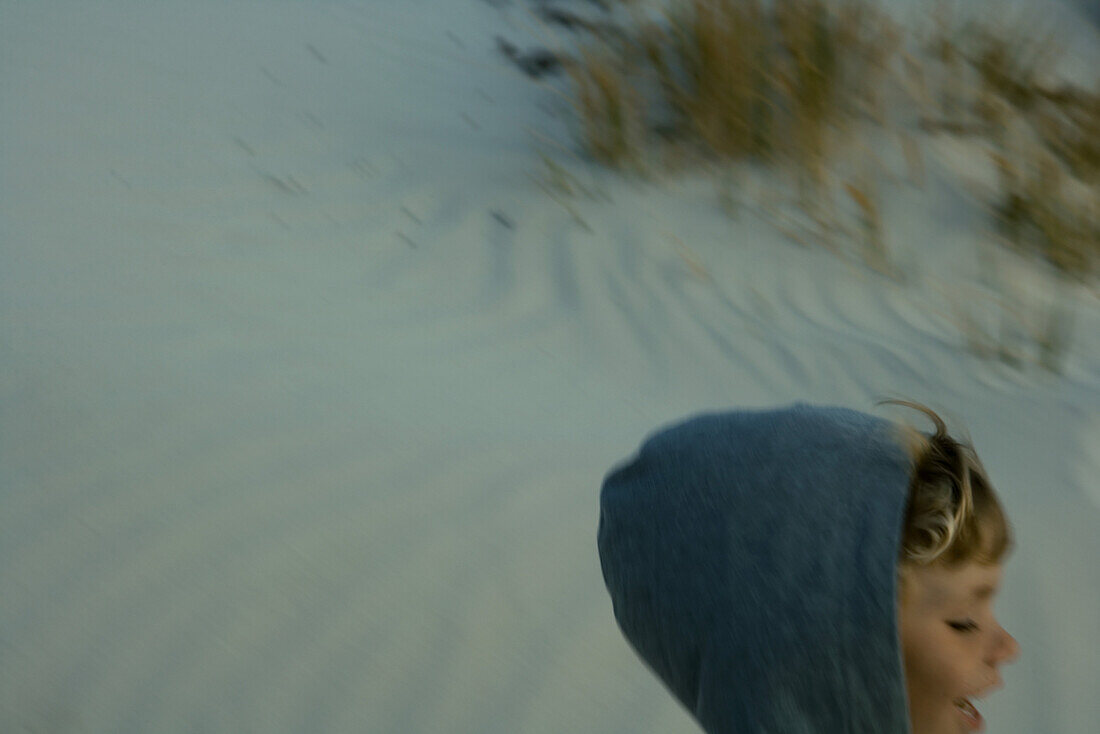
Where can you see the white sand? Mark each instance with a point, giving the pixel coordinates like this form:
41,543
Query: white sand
297,436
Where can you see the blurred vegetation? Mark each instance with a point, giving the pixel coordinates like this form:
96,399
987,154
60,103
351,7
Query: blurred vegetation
796,85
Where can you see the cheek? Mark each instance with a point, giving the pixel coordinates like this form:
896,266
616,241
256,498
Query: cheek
920,674
935,672
931,709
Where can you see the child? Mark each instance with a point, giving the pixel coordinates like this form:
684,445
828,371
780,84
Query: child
809,569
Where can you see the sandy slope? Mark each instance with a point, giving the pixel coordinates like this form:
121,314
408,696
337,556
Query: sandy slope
307,387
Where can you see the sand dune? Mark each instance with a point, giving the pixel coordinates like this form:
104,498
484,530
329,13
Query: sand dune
308,386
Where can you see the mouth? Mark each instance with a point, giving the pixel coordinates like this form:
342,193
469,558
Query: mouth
969,714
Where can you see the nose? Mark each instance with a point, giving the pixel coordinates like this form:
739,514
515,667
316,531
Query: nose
1007,649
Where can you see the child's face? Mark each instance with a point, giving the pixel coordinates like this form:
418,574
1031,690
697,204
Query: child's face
952,645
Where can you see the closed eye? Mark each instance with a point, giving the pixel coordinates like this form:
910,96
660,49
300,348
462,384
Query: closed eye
965,626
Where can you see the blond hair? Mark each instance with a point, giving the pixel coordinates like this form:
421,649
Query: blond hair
953,514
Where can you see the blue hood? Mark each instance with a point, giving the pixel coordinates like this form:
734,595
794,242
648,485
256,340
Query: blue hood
751,560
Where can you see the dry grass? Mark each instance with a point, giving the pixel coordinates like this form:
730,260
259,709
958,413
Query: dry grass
1068,120
786,84
1037,215
713,65
1011,61
942,48
1046,139
776,83
735,79
1049,196
870,216
609,106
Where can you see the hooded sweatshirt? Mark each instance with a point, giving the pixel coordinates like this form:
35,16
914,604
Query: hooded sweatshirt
751,559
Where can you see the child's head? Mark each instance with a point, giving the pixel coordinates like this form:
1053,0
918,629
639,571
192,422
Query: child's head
954,540
753,561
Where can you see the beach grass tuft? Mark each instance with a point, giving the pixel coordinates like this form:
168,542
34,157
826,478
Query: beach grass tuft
795,86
